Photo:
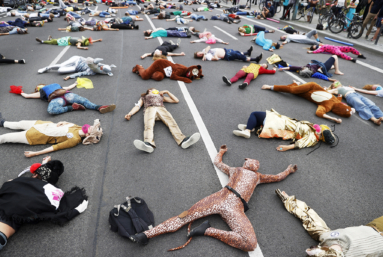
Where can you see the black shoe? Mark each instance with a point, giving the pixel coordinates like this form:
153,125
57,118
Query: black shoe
200,230
140,238
226,80
259,58
249,51
136,27
194,10
39,40
243,85
353,60
205,19
362,56
282,18
1,120
199,19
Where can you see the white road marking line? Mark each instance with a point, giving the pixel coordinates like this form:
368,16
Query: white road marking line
59,56
226,33
211,149
283,32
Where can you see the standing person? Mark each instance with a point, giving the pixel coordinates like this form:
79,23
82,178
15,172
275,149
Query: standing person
285,9
378,24
5,60
164,50
366,108
154,109
62,135
365,240
351,10
29,200
375,7
61,100
250,72
216,54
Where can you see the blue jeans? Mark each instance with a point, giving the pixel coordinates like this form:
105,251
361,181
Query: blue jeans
256,119
241,13
103,14
131,2
364,106
75,15
196,16
57,105
231,55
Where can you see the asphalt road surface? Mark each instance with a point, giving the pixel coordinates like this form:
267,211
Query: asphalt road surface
343,184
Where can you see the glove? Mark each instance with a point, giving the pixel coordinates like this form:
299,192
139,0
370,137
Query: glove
16,90
82,207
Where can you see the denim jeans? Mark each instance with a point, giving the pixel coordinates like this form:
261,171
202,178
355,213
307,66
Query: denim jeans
196,17
103,14
57,105
364,106
232,55
75,15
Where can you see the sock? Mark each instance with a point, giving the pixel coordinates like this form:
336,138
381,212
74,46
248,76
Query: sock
318,39
70,108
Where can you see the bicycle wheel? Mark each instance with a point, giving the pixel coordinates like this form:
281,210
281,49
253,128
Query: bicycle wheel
336,26
356,30
261,5
279,8
323,18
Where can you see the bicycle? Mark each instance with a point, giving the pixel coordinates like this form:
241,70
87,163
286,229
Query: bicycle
262,4
355,29
325,15
305,12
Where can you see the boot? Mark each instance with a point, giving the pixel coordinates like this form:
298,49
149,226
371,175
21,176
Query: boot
200,230
140,238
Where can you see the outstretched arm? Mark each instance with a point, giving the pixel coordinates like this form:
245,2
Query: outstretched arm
71,86
135,109
265,178
218,161
365,91
31,154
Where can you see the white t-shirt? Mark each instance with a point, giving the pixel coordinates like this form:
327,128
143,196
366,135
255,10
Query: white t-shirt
380,93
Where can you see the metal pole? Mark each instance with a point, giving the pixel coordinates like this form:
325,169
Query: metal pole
295,8
380,32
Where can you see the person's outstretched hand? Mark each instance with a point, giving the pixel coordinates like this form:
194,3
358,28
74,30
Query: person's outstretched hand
128,116
82,207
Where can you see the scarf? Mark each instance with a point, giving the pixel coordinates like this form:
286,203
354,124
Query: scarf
30,200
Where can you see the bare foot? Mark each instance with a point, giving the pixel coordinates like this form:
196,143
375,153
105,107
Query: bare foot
338,73
297,82
377,121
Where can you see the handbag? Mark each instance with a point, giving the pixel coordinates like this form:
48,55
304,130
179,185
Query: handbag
131,217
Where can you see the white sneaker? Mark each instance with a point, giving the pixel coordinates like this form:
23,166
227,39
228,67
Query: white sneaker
242,133
140,145
242,126
191,140
43,70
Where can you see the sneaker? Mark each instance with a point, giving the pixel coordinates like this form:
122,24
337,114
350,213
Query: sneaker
178,41
242,126
242,133
243,85
140,239
250,51
362,56
78,107
188,141
259,58
107,108
171,42
226,80
1,120
22,61
143,146
39,40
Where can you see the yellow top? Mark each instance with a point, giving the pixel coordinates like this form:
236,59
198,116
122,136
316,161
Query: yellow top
301,132
65,138
252,68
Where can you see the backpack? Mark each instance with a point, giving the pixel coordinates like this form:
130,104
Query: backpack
319,27
131,217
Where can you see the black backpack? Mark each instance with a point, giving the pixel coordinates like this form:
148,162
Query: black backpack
319,26
131,217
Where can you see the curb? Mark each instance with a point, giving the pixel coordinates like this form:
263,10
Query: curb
323,32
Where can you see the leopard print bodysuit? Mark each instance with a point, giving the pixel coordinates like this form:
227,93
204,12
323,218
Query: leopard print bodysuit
227,205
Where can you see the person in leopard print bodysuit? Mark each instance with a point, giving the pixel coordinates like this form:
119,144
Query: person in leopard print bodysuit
230,203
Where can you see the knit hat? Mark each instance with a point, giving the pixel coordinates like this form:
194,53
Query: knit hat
327,135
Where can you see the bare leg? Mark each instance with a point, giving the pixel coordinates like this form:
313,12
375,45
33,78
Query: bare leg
336,65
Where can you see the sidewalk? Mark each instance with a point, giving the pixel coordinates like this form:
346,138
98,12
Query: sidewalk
305,27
